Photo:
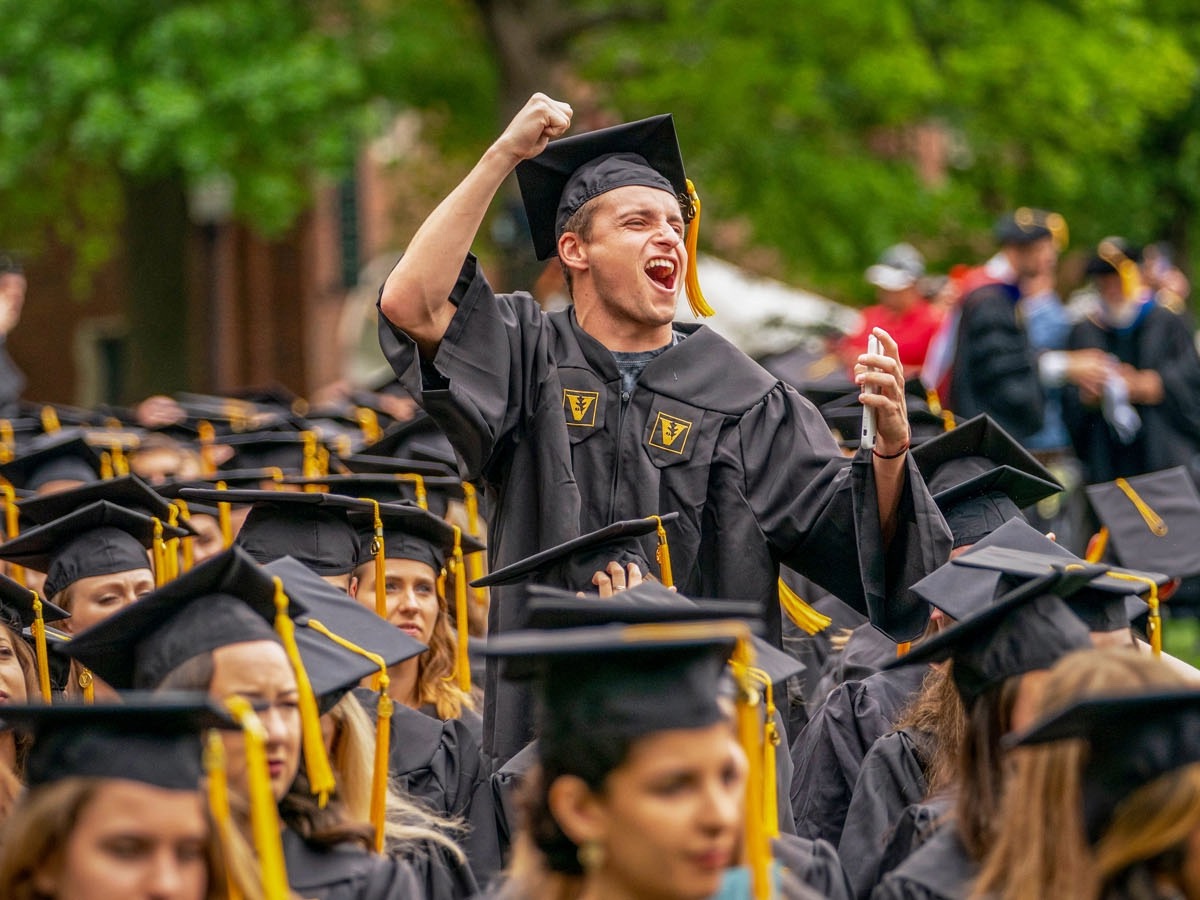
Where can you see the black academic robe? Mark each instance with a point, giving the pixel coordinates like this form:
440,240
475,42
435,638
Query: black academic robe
1170,435
534,408
346,873
827,754
891,779
940,870
814,864
995,371
865,652
436,762
442,876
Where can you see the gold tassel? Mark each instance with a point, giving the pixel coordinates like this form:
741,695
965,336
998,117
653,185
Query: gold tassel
1154,620
662,555
187,545
1097,545
120,461
418,482
50,423
316,762
802,615
368,424
12,527
383,732
474,560
87,684
756,846
264,815
771,740
207,436
158,553
106,466
224,519
39,644
1152,519
380,556
902,649
310,468
218,804
695,296
462,662
172,545
8,441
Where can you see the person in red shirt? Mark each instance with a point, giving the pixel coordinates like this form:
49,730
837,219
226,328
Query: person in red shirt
902,309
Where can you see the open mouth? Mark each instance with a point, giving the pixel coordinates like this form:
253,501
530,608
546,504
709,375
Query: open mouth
661,271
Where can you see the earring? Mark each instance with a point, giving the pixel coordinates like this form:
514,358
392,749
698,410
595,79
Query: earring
591,855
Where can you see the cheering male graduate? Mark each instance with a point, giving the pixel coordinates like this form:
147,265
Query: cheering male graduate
609,410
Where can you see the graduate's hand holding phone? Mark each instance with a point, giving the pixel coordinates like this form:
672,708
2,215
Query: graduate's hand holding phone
880,375
539,121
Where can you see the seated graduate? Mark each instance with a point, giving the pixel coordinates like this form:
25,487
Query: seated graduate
1137,801
998,661
114,805
980,478
919,759
358,749
226,628
641,788
1041,849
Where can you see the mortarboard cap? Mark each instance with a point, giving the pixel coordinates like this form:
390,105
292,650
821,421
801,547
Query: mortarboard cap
573,170
1027,629
572,564
17,606
399,438
410,532
393,481
361,464
1152,520
288,451
1026,225
128,492
152,739
1132,740
980,477
99,539
53,457
1110,255
312,527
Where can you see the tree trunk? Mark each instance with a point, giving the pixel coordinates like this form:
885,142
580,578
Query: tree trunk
156,232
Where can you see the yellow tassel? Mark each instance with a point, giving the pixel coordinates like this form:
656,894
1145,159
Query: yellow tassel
771,740
1058,230
207,436
474,560
802,615
8,441
316,762
662,555
50,423
12,527
383,732
106,466
120,461
187,545
757,847
418,482
218,804
1154,619
368,424
39,645
695,296
310,468
902,649
1097,545
158,554
462,662
171,553
264,815
380,557
1152,519
933,401
224,519
87,684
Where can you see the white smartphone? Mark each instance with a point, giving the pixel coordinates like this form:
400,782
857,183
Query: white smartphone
868,419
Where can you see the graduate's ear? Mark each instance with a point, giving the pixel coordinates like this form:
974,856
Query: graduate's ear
572,251
577,809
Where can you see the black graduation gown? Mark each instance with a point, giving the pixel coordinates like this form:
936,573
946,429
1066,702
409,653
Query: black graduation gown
891,779
1170,434
436,762
346,873
814,864
940,870
994,368
534,408
827,754
866,652
441,875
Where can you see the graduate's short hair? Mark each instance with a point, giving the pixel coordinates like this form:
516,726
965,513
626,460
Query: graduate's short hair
579,223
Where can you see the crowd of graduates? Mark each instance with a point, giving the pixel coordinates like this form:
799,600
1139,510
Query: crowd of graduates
615,613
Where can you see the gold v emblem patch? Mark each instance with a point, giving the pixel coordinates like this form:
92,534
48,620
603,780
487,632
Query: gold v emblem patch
581,407
670,433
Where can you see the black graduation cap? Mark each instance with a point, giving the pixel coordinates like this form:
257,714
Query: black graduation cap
283,450
128,491
572,564
1133,739
573,170
312,527
1112,254
410,532
53,457
1026,225
619,682
980,477
363,464
16,606
548,608
152,739
393,484
1027,629
399,438
99,539
227,599
1152,519
171,491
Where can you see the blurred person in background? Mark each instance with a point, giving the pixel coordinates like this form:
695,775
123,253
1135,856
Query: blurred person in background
12,299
